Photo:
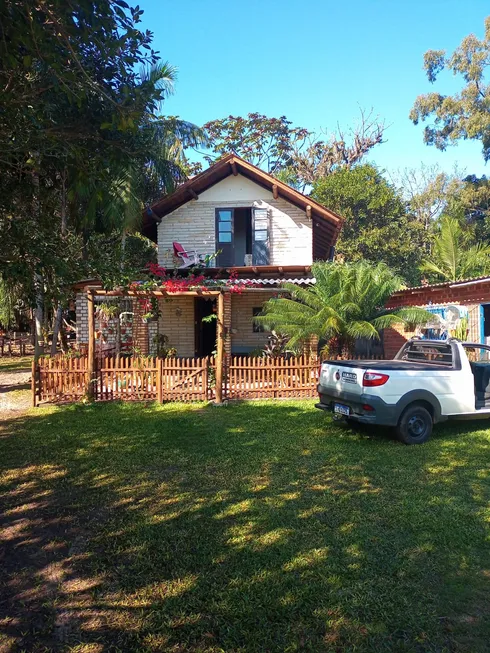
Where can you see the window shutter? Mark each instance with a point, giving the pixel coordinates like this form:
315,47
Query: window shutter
261,237
224,237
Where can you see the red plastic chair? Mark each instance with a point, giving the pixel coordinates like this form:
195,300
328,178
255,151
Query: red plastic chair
188,257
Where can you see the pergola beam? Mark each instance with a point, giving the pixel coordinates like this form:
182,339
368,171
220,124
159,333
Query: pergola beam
91,344
154,293
220,348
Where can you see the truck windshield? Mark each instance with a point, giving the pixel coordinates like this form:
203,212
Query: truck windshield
427,352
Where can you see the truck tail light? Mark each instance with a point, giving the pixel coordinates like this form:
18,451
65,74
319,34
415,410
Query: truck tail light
373,379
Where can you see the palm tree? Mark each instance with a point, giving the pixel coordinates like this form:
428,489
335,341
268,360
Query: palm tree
115,196
452,259
347,302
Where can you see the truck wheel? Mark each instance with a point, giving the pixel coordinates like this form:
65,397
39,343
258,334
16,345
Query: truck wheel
415,425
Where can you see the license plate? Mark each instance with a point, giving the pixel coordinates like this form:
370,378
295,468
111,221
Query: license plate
341,409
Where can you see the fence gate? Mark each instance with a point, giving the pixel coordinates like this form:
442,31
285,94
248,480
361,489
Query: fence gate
186,379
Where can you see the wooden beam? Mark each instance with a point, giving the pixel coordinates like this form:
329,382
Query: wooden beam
275,191
33,382
308,211
159,380
193,194
91,344
155,293
234,169
220,348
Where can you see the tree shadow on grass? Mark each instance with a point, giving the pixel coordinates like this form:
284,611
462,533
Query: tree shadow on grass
261,526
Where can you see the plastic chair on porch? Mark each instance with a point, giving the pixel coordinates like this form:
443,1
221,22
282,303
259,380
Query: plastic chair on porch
188,257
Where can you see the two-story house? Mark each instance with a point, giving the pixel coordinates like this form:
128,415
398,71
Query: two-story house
247,223
254,224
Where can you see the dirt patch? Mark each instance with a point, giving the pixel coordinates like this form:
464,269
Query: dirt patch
15,396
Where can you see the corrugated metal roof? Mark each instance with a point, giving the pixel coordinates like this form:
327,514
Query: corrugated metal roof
441,284
307,281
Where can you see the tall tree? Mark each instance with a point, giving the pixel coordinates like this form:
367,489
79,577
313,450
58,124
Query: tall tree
347,302
265,142
80,140
323,153
464,115
428,190
378,226
294,154
452,257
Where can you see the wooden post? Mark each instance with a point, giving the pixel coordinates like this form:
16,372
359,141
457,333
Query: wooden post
159,380
91,344
220,348
33,383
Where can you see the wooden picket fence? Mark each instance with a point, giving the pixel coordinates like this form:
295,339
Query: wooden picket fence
249,377
65,379
60,378
15,345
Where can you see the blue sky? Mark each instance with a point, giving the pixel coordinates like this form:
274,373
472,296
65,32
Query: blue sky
316,63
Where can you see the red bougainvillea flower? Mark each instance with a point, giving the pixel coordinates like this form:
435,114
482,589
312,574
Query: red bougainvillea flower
156,270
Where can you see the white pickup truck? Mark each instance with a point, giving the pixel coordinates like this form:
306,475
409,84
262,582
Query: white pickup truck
427,382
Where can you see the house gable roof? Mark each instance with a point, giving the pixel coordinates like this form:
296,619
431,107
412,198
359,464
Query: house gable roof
231,164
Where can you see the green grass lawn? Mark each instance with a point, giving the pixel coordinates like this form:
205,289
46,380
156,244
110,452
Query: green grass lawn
14,363
260,526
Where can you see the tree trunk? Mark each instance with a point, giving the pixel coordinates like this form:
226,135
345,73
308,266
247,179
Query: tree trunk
56,329
38,316
58,322
346,348
38,280
123,250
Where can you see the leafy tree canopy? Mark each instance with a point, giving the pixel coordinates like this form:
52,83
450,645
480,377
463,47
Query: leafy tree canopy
82,146
265,142
464,115
293,154
378,226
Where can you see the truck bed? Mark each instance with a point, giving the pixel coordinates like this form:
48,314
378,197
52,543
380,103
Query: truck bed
390,365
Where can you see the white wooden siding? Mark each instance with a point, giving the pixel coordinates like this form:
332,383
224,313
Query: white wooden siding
193,224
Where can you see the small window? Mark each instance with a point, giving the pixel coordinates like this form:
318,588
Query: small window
258,328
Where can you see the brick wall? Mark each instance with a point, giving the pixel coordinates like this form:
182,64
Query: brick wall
107,329
470,296
227,322
82,318
394,339
243,337
177,323
193,226
476,293
152,333
140,329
